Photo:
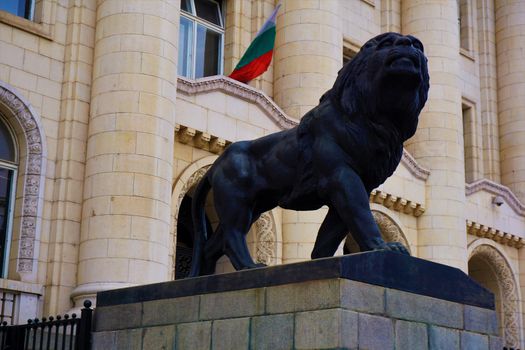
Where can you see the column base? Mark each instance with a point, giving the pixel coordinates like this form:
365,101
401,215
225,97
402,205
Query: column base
89,292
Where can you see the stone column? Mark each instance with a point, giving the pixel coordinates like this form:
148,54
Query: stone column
510,41
308,54
438,143
125,231
488,87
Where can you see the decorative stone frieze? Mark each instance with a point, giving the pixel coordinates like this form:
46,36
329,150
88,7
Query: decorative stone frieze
496,235
413,167
200,139
32,170
508,288
499,190
396,203
266,237
389,229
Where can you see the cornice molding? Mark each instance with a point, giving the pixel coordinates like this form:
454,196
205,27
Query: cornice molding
496,189
200,139
238,89
415,169
398,204
496,235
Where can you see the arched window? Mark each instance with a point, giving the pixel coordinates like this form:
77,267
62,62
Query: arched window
8,168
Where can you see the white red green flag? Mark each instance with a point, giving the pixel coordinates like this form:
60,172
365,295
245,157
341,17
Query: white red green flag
258,56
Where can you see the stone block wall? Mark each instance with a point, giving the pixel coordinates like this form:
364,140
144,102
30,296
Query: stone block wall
324,314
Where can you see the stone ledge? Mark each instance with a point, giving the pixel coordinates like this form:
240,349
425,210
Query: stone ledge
380,268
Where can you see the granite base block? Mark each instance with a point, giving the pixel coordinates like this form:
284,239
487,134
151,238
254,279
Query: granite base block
328,311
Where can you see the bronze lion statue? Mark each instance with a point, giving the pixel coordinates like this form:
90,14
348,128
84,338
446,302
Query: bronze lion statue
341,150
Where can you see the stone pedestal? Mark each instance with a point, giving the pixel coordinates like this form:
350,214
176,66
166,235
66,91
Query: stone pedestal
374,300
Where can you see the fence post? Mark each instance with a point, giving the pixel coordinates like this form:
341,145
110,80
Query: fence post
84,331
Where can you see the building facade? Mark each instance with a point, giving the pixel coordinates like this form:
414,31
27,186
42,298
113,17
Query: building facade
112,110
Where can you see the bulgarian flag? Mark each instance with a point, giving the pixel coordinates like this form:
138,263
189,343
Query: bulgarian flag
258,56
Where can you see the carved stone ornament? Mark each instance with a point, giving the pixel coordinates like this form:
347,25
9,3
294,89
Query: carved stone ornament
501,237
389,229
265,231
190,182
22,114
507,285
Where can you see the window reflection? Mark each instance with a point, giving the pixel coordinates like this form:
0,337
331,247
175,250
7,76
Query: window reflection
201,37
22,8
7,194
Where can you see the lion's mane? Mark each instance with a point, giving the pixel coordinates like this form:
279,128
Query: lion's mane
357,103
354,95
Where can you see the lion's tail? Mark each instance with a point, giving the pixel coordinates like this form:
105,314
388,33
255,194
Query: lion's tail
199,224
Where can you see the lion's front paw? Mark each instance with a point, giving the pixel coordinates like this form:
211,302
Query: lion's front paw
397,247
254,266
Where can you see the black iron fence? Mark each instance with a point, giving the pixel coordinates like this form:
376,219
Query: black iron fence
60,333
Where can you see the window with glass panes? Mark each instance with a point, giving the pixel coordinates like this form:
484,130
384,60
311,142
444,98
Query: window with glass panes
8,167
201,38
22,8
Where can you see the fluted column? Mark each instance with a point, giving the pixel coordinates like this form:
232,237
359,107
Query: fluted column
127,193
488,88
438,143
308,53
510,42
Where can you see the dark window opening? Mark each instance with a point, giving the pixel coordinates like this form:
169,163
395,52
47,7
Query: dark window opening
21,8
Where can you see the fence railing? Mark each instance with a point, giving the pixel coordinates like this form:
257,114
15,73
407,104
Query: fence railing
60,333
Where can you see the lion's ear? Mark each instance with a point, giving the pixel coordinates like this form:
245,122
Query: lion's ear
324,96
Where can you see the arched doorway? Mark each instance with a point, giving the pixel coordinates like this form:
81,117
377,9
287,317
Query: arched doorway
182,227
490,269
261,239
390,231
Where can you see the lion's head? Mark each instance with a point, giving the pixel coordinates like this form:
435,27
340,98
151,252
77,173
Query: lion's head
386,81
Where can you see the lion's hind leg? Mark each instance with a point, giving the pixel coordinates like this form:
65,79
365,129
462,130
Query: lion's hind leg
332,232
213,250
235,223
234,188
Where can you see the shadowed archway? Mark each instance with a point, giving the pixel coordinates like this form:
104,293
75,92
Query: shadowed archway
488,266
